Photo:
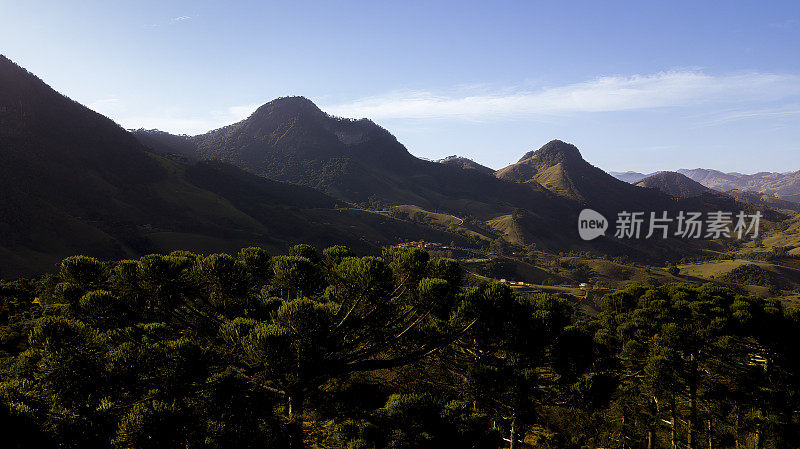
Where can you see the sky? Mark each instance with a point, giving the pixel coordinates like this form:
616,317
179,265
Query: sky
641,85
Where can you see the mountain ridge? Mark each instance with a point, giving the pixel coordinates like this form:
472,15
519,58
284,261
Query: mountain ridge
782,185
78,183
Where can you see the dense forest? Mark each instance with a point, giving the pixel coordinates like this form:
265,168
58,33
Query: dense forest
329,350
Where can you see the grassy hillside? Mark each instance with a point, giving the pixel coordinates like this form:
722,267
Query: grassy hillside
787,238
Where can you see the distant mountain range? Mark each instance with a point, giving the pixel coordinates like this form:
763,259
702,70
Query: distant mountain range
73,181
681,186
785,186
782,185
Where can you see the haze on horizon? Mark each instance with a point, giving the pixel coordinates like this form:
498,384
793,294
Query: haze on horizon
634,86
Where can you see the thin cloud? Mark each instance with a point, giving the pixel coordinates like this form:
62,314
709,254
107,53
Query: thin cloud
719,118
602,94
240,112
717,99
181,18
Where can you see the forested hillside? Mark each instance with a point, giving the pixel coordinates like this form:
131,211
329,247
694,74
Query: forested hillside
327,350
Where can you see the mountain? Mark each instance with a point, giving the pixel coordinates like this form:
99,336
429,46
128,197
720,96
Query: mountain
673,184
291,139
694,196
560,167
465,164
74,182
782,185
631,177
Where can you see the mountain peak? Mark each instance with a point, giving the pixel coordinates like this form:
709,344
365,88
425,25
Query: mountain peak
554,152
292,100
288,106
560,168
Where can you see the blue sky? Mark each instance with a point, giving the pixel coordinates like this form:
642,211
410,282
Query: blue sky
635,85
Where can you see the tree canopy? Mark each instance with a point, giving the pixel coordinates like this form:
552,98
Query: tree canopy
328,349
